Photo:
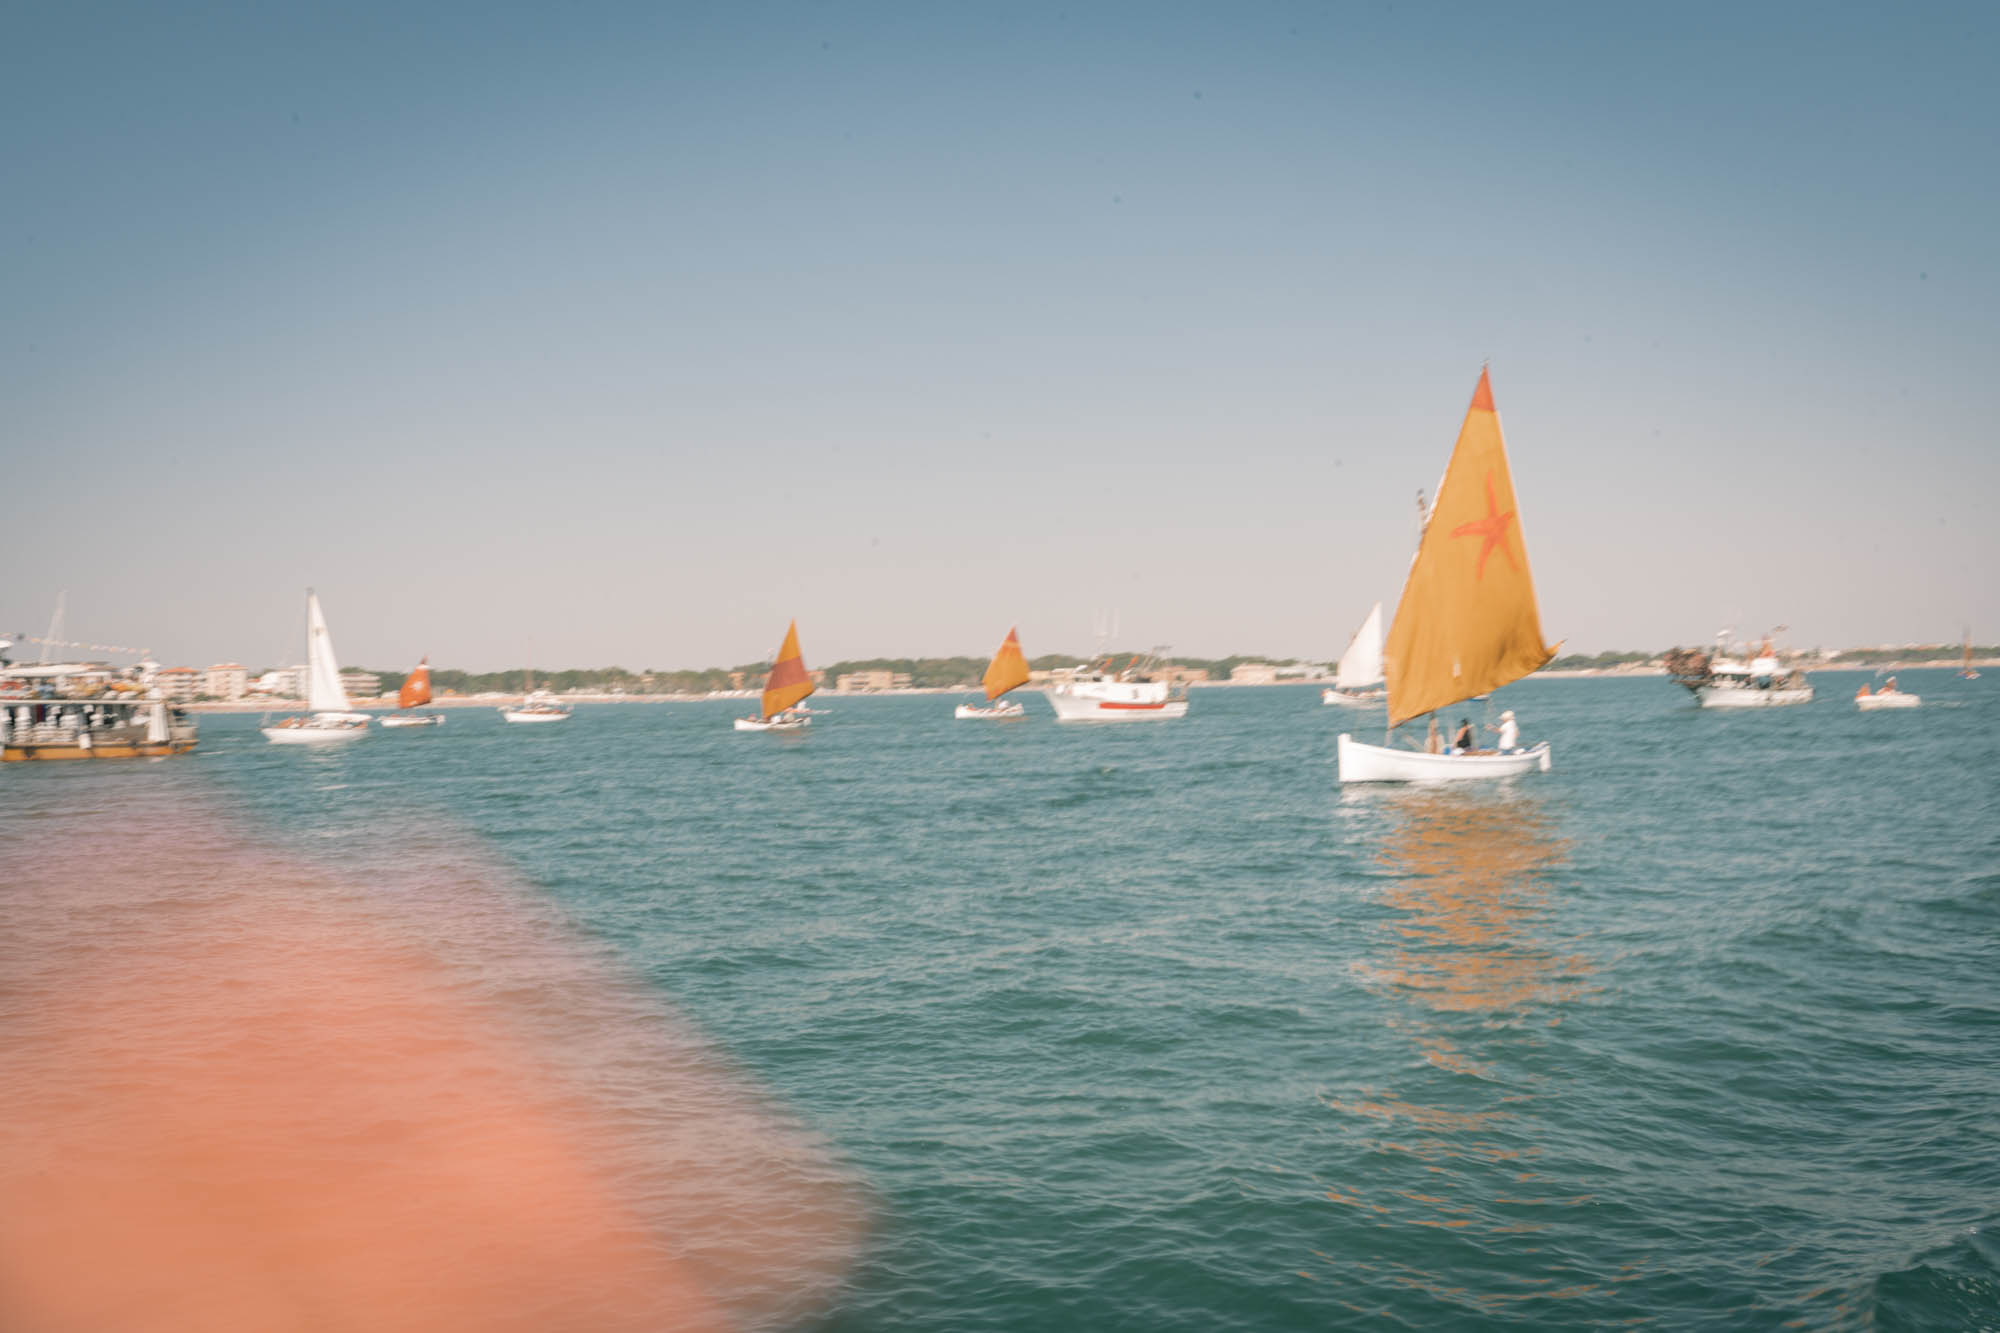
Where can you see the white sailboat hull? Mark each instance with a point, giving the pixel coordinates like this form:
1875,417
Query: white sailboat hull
774,724
1870,702
1749,696
1353,698
319,730
997,712
412,720
1380,763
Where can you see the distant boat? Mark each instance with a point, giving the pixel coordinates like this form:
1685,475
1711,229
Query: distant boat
1008,670
1886,697
331,717
1467,622
1965,671
416,692
787,685
1749,679
536,706
1124,694
1360,667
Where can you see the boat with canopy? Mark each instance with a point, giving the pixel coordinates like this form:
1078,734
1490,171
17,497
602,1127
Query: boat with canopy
330,716
416,692
784,689
1467,622
1007,671
1360,669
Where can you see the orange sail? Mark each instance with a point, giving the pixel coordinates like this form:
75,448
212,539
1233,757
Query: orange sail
1467,623
789,682
417,689
1008,668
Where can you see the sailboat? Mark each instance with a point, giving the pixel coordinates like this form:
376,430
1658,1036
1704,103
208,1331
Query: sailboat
535,706
416,692
1965,670
1467,623
787,685
331,716
1008,670
1360,667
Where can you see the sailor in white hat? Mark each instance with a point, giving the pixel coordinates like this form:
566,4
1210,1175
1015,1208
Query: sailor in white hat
1510,731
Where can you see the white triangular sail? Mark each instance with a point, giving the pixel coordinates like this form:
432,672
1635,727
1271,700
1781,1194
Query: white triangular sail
1361,665
323,690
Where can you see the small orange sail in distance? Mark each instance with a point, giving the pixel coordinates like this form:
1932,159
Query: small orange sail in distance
789,682
1467,623
1008,669
417,689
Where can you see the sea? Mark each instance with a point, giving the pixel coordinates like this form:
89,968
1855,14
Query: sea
908,1023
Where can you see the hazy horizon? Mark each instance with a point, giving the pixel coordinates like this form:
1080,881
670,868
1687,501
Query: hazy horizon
628,334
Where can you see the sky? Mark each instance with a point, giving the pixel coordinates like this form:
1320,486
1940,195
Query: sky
624,334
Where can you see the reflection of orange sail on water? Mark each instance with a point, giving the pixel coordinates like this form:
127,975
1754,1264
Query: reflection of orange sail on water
1008,669
789,682
1467,622
416,690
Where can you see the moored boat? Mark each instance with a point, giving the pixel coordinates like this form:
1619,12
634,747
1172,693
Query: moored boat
330,717
1467,623
535,706
416,692
1127,694
1008,670
1360,668
785,688
1745,679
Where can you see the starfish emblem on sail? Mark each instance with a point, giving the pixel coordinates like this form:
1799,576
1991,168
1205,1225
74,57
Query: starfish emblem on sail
1492,528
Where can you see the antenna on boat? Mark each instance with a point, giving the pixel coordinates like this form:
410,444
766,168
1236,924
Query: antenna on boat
55,627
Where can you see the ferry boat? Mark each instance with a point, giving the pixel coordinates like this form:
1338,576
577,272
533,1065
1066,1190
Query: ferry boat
1886,697
1746,680
1129,694
47,713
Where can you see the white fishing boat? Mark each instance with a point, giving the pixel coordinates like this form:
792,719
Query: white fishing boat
1720,679
416,692
331,716
1360,667
1467,622
785,689
1008,670
536,706
1127,694
1887,697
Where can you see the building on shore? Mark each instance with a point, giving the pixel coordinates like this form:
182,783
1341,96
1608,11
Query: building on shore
360,684
871,682
1253,673
281,683
226,680
178,684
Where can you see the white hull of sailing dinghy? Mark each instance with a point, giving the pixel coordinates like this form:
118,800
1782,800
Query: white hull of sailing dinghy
997,712
1749,696
780,723
404,720
1896,699
319,729
1380,763
534,715
1347,699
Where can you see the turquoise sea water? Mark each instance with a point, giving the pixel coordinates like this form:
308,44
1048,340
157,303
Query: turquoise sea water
1158,1027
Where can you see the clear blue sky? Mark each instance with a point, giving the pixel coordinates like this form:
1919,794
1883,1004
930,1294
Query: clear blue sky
594,334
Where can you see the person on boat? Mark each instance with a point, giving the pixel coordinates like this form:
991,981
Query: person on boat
1863,692
1465,740
1510,732
1433,744
1889,686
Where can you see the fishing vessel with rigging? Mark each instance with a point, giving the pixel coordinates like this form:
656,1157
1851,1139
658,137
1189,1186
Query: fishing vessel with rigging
1102,693
1007,671
1360,669
784,689
1745,679
330,717
416,692
1467,622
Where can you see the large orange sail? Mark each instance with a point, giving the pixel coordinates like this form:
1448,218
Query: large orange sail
417,689
1008,669
1467,623
789,682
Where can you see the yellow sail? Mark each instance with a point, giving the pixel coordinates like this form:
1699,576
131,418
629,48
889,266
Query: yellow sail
1008,668
789,682
1467,623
